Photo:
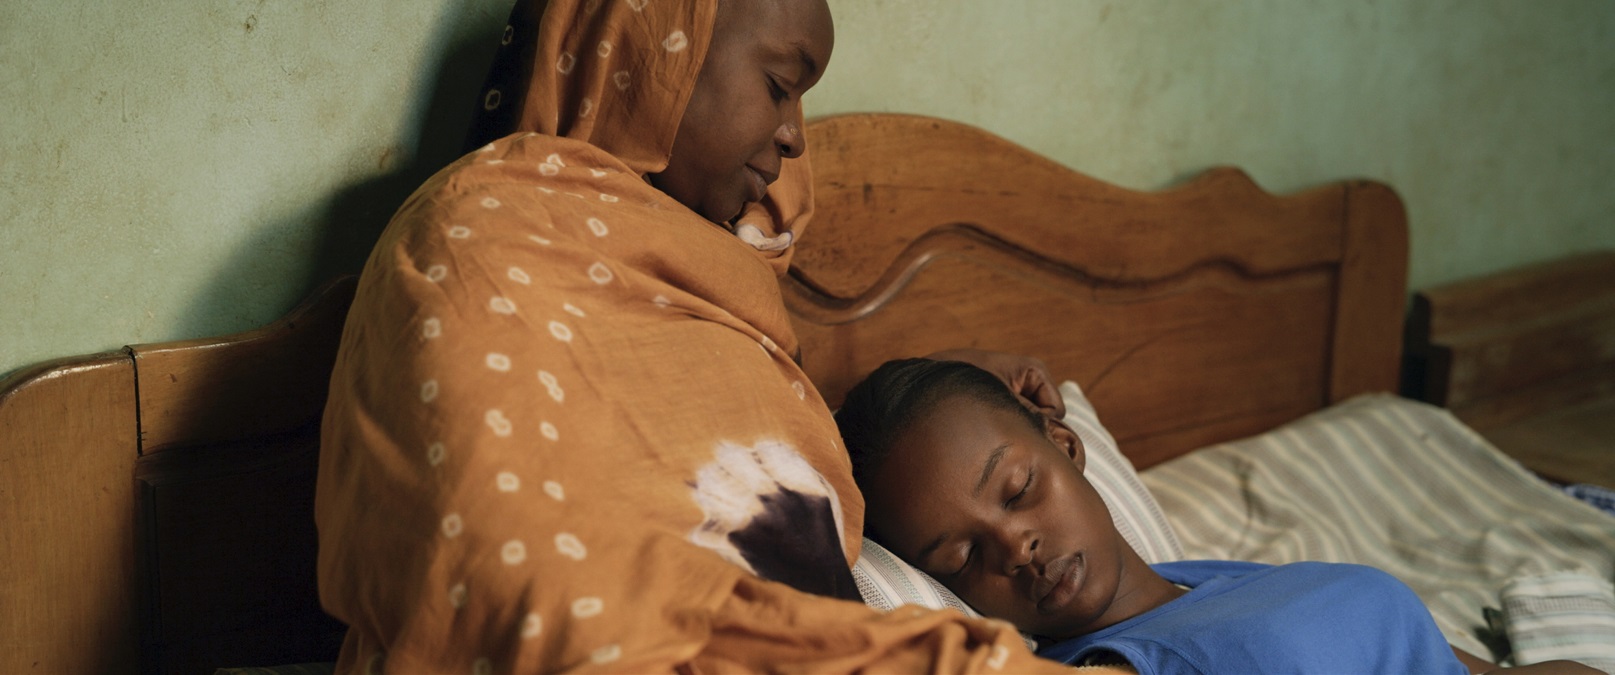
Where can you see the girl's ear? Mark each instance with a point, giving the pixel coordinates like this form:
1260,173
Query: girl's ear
1065,439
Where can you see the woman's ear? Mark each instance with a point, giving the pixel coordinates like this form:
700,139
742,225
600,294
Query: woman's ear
1067,440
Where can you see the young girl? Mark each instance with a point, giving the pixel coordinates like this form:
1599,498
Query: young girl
971,486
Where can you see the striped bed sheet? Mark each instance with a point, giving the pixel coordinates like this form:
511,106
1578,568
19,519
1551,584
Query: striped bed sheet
1399,485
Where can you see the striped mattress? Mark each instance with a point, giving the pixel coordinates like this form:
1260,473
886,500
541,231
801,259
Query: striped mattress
1407,488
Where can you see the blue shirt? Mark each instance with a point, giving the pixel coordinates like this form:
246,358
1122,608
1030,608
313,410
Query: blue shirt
1307,617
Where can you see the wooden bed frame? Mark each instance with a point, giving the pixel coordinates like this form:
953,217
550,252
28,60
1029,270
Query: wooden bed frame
158,500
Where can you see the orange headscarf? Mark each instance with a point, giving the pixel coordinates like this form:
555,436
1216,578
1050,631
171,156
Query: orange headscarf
565,429
617,74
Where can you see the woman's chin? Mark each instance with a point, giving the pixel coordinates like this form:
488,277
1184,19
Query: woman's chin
735,209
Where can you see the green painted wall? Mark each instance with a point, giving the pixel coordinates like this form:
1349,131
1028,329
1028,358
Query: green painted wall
173,170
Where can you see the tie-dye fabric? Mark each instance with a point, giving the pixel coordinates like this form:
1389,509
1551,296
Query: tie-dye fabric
566,430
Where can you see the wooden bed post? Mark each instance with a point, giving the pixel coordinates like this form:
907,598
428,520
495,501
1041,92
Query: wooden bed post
68,447
1370,294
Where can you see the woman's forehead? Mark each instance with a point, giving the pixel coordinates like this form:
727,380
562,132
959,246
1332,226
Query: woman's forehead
799,24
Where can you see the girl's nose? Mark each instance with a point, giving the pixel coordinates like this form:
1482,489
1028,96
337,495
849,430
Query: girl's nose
1019,547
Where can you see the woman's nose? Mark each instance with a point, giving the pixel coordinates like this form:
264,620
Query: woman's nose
790,140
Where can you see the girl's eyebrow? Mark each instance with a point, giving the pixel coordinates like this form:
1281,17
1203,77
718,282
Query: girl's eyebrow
987,471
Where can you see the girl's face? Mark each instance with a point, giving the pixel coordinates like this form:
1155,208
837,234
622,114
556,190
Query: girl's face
743,117
1000,512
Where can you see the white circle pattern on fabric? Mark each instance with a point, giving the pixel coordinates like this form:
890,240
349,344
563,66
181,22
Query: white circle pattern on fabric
459,232
768,344
570,546
453,525
491,101
498,422
539,240
621,79
598,173
501,305
532,626
431,328
428,391
499,362
494,162
598,227
513,552
638,4
586,107
436,273
436,453
490,203
573,310
482,666
661,301
676,41
560,331
549,431
552,384
548,169
507,482
519,276
584,608
458,596
604,49
801,391
606,654
566,62
554,490
600,274
609,199
486,148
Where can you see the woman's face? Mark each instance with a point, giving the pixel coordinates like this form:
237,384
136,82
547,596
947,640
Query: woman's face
742,118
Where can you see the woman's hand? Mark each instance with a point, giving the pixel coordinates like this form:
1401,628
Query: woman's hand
1028,377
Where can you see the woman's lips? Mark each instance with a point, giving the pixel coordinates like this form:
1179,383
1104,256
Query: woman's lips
759,186
1068,574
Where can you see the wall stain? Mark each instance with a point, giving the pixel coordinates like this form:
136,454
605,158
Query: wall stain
250,24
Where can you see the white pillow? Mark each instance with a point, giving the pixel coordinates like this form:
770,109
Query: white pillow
885,581
1134,510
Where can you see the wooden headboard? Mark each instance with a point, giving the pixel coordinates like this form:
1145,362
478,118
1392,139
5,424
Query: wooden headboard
157,501
1199,314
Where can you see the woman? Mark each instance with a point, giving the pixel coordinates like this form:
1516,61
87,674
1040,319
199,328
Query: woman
566,428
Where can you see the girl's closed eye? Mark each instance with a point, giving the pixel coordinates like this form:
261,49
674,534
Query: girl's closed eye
969,553
1031,475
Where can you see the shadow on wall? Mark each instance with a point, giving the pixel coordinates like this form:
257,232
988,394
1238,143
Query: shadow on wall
346,226
355,217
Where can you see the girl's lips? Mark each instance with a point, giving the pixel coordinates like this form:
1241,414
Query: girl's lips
1071,571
